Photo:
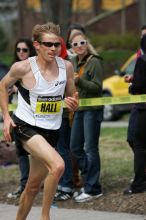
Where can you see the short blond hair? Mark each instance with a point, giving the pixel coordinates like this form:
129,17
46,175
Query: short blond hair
49,27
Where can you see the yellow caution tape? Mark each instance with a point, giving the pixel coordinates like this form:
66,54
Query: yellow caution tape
103,101
12,107
112,100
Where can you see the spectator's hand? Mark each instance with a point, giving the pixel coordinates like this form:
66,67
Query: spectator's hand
72,103
128,78
76,77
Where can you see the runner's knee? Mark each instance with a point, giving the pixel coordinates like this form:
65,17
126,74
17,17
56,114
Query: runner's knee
58,169
33,186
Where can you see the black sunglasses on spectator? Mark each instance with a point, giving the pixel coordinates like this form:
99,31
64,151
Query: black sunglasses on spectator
25,50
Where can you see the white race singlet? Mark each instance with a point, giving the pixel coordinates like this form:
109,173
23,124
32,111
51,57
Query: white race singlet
42,105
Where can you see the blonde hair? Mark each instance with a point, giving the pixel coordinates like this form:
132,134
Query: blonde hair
49,27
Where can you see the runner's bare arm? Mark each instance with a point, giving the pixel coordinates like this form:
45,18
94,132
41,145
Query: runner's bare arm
16,72
72,99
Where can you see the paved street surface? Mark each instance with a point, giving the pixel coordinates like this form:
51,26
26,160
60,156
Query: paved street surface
8,212
113,124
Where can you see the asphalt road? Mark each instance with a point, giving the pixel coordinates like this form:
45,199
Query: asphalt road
8,212
114,124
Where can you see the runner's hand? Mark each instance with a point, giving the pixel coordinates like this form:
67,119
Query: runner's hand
7,128
72,103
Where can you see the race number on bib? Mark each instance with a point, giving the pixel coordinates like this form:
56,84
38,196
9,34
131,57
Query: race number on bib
48,105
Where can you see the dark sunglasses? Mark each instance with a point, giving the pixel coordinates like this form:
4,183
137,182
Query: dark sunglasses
80,43
51,44
25,50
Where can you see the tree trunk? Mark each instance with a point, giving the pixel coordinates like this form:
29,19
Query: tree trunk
21,13
96,6
59,12
142,11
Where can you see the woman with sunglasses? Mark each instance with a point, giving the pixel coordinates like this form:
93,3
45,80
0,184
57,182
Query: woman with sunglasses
87,120
23,49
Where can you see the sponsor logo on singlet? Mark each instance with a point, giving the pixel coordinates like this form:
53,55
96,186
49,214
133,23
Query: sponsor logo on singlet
60,82
48,105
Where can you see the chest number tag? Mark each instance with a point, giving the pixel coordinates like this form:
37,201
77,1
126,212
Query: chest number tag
48,105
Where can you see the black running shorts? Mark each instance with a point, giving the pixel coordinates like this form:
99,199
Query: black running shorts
24,131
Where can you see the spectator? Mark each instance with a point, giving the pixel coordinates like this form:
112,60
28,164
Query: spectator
73,28
133,114
139,140
143,32
76,28
87,121
65,186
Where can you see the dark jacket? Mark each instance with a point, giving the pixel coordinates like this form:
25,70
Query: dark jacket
90,82
139,80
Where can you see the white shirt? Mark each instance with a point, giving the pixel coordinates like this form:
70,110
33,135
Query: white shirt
42,105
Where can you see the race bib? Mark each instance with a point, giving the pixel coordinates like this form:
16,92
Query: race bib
48,105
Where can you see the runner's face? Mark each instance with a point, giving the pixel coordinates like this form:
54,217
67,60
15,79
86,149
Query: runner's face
49,46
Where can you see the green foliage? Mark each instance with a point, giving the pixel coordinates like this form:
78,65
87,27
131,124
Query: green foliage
113,133
3,40
6,58
116,157
128,41
115,49
1,133
122,55
11,174
114,59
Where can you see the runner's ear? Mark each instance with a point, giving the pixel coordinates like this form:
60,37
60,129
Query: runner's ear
36,44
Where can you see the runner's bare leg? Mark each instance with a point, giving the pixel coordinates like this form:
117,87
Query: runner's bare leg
44,159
